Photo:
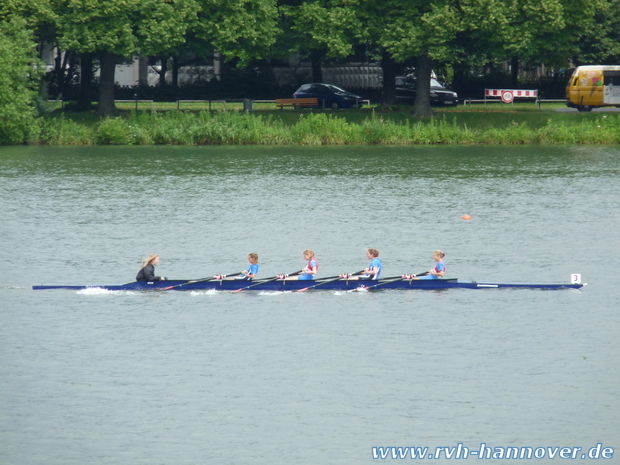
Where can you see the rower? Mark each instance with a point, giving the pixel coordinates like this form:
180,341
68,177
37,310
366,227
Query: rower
439,269
309,272
252,270
373,272
147,272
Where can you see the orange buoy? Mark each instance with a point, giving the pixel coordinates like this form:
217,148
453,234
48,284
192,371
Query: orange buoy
466,217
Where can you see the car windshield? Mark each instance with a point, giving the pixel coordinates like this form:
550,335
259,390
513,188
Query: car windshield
334,88
435,83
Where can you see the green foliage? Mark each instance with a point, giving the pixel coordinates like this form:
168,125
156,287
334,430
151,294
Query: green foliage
323,129
124,27
19,78
238,28
113,131
424,28
325,25
600,43
121,28
64,131
545,31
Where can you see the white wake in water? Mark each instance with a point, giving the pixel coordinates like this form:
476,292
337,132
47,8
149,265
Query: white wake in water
101,291
207,292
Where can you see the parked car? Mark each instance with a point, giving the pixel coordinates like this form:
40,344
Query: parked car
329,96
406,89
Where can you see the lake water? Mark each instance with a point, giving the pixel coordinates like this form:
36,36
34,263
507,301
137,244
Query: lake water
96,377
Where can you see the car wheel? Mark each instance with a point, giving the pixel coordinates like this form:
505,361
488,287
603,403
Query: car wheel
335,106
584,108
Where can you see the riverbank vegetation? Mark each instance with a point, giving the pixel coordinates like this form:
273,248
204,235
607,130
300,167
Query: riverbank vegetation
328,128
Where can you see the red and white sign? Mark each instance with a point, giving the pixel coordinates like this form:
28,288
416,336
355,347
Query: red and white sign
515,93
507,96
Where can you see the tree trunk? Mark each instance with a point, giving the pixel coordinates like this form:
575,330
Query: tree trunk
388,65
316,59
143,71
85,99
175,71
514,69
71,54
422,104
106,84
458,81
59,70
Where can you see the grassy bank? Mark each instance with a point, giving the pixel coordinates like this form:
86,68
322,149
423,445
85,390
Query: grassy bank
264,127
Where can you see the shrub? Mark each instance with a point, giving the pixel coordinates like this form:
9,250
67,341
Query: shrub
113,131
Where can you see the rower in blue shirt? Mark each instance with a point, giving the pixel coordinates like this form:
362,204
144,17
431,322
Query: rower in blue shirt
312,267
439,270
373,272
252,270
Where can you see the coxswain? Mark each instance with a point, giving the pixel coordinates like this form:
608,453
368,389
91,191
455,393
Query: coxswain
147,272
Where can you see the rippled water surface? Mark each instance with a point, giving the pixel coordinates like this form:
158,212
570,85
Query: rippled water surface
96,377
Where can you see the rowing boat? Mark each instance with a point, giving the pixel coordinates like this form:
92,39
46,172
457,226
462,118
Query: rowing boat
296,285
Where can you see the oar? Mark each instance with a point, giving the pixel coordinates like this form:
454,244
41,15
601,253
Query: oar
390,281
330,281
275,278
199,281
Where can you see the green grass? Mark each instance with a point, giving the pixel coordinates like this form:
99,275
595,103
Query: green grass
163,124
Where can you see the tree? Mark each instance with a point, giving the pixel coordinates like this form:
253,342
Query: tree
19,80
121,28
393,30
432,32
547,31
600,43
244,29
318,31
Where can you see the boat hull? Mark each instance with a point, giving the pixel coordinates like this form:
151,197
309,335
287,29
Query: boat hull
295,285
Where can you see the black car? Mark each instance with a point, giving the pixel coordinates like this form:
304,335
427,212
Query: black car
329,96
405,92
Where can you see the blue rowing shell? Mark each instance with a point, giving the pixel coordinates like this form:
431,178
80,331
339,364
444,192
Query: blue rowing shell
295,285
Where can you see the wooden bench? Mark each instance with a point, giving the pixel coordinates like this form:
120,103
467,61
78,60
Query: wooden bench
296,102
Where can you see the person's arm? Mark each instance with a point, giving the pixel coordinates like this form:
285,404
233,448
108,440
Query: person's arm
372,271
440,270
149,274
373,268
312,269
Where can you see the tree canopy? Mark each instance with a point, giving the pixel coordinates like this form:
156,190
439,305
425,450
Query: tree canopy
19,78
425,32
121,28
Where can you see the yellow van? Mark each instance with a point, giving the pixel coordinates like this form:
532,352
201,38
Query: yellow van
593,86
